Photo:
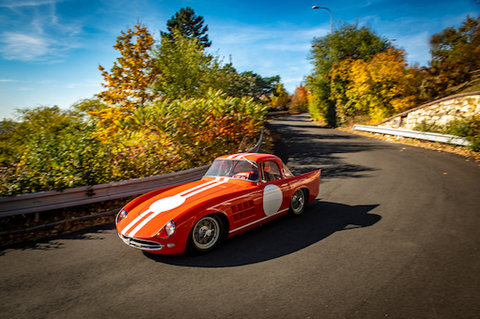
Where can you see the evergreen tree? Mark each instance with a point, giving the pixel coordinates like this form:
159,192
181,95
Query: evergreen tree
190,26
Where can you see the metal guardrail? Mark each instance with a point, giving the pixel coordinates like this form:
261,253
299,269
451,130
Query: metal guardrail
435,137
44,201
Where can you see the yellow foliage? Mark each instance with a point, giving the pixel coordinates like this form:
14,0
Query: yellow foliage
379,87
134,73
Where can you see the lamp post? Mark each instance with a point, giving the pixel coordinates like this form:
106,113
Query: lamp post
331,15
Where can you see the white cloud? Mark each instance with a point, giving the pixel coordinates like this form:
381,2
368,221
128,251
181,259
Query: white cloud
36,33
12,4
23,47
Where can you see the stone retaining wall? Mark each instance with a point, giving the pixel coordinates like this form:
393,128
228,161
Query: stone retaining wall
440,112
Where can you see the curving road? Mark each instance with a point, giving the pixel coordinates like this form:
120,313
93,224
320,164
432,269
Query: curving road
394,233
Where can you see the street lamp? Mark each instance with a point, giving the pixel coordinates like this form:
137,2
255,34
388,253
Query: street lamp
331,16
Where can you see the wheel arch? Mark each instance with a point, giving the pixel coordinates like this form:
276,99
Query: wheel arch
305,190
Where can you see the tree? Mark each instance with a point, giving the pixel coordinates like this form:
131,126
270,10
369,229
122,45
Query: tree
280,98
130,81
299,99
188,71
455,54
379,87
253,85
458,45
189,25
51,149
348,42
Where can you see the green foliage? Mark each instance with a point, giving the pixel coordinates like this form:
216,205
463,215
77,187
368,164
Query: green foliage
160,113
468,128
455,55
51,149
458,45
62,149
426,126
250,84
348,42
320,106
211,126
188,71
189,25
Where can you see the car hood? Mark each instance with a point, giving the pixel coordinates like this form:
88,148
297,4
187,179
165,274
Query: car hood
151,213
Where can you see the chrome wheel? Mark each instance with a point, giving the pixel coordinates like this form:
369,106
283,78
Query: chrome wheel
298,202
206,233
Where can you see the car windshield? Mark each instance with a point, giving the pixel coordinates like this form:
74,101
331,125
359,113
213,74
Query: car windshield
233,168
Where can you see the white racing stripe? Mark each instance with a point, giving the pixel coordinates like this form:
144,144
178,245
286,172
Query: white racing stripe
239,156
168,203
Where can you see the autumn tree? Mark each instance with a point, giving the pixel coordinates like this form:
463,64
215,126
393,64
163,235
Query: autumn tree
455,54
299,99
348,42
129,82
458,45
189,25
280,98
379,87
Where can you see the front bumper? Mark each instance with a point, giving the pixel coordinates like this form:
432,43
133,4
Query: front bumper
142,244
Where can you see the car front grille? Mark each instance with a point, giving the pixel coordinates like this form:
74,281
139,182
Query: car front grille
140,243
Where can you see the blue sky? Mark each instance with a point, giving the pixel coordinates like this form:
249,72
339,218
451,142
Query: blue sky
50,49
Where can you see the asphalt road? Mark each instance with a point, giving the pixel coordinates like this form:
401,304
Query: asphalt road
394,233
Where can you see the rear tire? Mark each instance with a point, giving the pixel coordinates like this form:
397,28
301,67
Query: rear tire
206,234
298,202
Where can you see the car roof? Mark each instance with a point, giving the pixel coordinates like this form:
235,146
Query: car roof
251,156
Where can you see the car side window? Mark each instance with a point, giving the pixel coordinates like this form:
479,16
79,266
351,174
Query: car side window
270,171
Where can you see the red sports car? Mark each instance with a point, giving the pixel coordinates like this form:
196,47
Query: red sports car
237,193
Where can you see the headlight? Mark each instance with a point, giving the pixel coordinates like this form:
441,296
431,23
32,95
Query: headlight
167,231
121,215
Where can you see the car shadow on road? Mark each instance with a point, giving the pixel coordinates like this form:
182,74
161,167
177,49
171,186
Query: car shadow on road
281,237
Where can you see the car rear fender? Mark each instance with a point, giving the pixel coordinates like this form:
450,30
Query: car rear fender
309,181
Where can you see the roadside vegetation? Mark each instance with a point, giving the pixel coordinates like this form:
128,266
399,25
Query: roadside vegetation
167,105
360,77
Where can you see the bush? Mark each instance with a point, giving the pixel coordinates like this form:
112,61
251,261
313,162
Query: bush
50,149
468,128
205,128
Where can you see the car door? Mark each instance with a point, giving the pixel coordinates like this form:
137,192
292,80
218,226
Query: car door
276,189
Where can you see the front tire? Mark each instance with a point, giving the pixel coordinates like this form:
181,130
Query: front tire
206,234
298,202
